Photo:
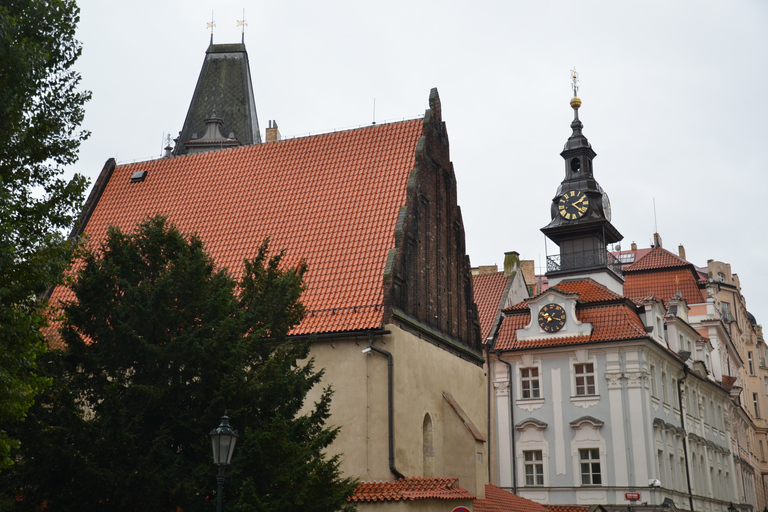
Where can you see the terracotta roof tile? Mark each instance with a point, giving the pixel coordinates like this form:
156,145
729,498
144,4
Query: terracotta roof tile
499,500
568,508
488,289
614,322
728,382
658,258
291,191
410,489
588,290
663,284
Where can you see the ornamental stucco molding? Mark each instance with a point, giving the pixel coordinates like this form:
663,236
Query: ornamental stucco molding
614,380
502,388
634,379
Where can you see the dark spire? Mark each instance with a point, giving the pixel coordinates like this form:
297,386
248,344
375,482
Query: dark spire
224,87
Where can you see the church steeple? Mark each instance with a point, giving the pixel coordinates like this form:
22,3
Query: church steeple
224,87
581,214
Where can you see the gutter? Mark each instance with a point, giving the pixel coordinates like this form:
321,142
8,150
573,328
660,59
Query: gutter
390,400
511,423
685,440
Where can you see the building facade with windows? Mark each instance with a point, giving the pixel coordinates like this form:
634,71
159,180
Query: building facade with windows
596,394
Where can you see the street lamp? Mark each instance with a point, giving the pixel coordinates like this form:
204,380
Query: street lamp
223,439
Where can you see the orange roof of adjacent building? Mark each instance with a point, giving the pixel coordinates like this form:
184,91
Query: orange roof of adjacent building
611,316
332,200
658,258
489,292
663,284
411,489
499,500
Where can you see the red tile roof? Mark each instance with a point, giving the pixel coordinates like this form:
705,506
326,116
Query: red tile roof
588,290
568,508
410,489
293,192
663,284
658,258
499,500
609,321
728,382
489,289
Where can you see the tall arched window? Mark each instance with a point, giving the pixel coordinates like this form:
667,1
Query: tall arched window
428,454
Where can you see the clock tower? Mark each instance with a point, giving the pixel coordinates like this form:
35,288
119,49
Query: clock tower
581,216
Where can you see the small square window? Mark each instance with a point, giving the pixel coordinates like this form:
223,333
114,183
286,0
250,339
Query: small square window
590,466
585,379
534,467
530,382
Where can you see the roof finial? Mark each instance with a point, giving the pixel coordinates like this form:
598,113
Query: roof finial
242,23
575,101
211,25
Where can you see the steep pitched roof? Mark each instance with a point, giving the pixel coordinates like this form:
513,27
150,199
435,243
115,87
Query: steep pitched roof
663,283
411,489
656,259
224,89
499,500
489,292
611,316
331,199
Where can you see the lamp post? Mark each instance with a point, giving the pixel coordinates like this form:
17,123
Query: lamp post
223,439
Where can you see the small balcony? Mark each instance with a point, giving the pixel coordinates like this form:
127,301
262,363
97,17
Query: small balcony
586,260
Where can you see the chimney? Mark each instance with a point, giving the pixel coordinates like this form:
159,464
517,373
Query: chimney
656,240
634,246
273,134
681,251
511,262
529,271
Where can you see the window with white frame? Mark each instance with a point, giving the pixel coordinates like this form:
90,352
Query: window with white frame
585,379
533,462
754,402
529,383
654,391
765,381
664,388
751,363
589,460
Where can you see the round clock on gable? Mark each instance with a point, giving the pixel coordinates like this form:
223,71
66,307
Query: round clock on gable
551,318
573,205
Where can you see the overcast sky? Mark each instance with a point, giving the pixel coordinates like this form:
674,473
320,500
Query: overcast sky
674,102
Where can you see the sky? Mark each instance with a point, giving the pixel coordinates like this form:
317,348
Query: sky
674,102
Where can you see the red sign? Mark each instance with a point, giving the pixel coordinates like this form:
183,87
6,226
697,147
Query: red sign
632,496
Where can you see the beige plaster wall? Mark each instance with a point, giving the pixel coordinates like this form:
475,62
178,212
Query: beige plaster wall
422,372
414,506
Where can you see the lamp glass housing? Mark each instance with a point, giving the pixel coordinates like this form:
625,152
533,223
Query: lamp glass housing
223,439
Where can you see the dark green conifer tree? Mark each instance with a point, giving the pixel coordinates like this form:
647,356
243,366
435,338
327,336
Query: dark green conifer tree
159,343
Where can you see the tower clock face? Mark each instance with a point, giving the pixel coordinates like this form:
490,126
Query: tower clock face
606,207
573,205
551,318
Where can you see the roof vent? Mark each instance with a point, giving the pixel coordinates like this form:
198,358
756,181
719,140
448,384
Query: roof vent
138,176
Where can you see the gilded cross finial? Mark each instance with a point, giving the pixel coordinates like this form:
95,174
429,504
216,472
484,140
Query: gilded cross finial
575,81
211,26
242,23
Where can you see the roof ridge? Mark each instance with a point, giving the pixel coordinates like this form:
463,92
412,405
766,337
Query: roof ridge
671,260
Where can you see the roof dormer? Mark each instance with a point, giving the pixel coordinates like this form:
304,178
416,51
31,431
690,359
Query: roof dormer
553,315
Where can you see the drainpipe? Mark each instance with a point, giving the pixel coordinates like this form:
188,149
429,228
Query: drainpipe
390,400
685,444
511,423
488,407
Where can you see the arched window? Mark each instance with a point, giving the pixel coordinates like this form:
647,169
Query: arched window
428,454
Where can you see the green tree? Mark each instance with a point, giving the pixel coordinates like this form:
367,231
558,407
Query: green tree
159,344
40,110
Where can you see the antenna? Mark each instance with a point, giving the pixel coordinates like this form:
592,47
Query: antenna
211,25
655,224
242,23
575,81
374,111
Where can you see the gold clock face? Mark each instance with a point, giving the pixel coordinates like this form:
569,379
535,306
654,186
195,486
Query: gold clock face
551,318
573,205
606,207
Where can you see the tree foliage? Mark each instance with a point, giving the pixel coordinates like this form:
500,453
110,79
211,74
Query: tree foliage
40,110
159,344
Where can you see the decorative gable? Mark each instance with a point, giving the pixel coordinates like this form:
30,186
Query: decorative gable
553,315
